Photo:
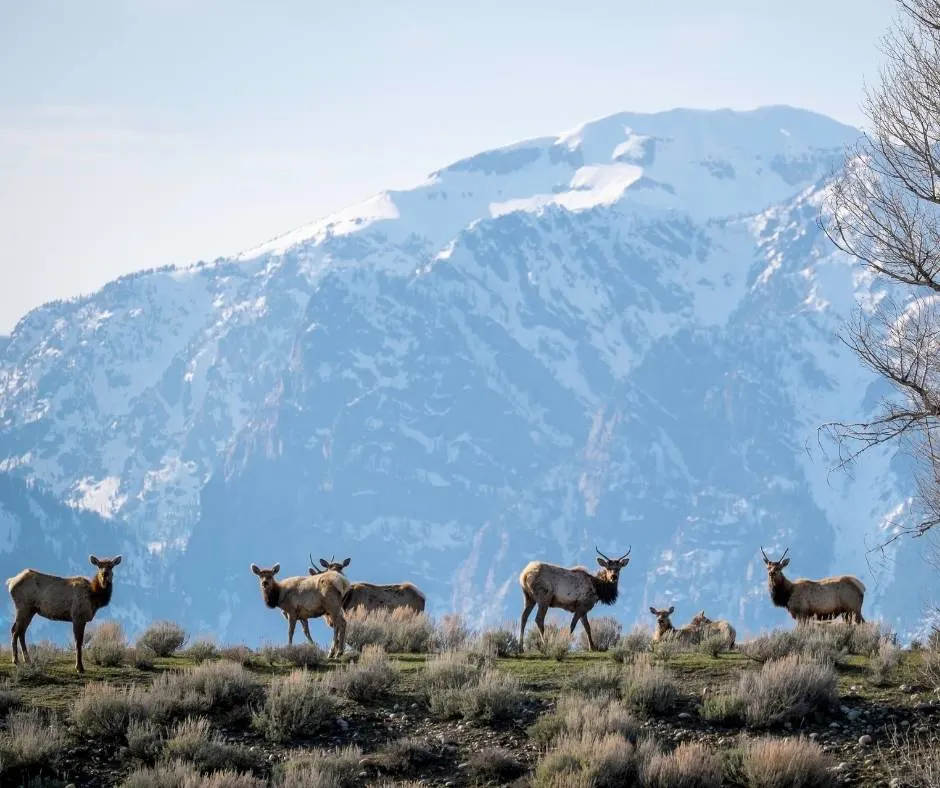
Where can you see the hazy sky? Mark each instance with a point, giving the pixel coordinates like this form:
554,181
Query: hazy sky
135,133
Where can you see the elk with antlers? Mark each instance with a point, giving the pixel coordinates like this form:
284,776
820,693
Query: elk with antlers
822,599
575,590
74,599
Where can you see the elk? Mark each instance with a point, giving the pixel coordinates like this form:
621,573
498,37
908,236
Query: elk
711,628
807,600
575,590
689,634
303,597
393,596
329,566
74,599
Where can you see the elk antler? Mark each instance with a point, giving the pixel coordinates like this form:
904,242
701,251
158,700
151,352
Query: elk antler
601,554
312,565
785,553
765,556
625,554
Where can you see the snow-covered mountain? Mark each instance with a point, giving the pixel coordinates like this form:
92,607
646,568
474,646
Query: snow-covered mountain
624,335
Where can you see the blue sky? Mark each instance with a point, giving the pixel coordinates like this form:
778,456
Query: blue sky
137,133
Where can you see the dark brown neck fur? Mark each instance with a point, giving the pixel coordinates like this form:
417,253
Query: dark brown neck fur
605,588
780,591
272,595
100,593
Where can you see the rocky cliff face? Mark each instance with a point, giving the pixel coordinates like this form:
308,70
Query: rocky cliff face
622,336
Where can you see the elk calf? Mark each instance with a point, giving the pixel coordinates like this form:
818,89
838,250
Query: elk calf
687,635
304,597
711,628
74,599
574,590
806,600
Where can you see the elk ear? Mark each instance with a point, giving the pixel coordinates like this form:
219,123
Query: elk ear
255,569
602,562
275,569
93,561
653,610
116,560
324,563
313,571
672,609
785,562
346,562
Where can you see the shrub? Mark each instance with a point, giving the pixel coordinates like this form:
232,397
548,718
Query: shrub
450,670
578,716
42,657
637,641
199,690
201,650
606,632
649,688
712,645
501,642
914,760
555,644
690,765
724,707
30,741
103,711
783,763
193,741
773,645
495,696
183,775
371,677
930,668
300,655
453,634
494,764
141,658
107,645
589,762
144,740
399,631
600,681
9,696
163,638
294,705
317,768
884,662
402,755
239,654
786,689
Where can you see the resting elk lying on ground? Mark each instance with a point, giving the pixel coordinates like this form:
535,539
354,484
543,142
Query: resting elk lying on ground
74,599
574,590
806,600
371,596
304,597
690,634
710,628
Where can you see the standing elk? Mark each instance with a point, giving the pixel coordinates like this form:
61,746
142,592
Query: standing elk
74,599
575,590
304,597
807,600
690,634
711,628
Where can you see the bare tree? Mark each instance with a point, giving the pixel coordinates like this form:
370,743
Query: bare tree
884,210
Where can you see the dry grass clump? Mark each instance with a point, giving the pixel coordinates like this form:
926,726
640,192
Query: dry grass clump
590,762
145,740
823,641
457,685
690,765
581,716
401,756
771,645
599,681
494,765
183,775
294,705
193,741
42,657
163,638
915,762
300,655
930,667
637,641
500,642
884,663
318,768
453,634
239,654
556,643
30,741
398,631
200,689
9,696
786,689
104,711
141,658
713,644
781,763
649,688
369,678
107,645
606,632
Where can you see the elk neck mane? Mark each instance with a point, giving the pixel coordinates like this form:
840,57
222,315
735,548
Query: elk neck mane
272,594
780,591
605,588
100,592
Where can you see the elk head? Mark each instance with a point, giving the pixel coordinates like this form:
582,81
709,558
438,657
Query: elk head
105,568
332,565
612,566
775,568
269,586
663,622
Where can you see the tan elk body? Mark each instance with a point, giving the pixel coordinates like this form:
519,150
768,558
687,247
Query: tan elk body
665,631
575,590
711,628
371,597
303,597
74,599
823,599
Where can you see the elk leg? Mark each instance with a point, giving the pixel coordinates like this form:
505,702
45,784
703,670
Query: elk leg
291,626
587,629
78,629
306,628
339,633
529,606
540,619
19,633
16,648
